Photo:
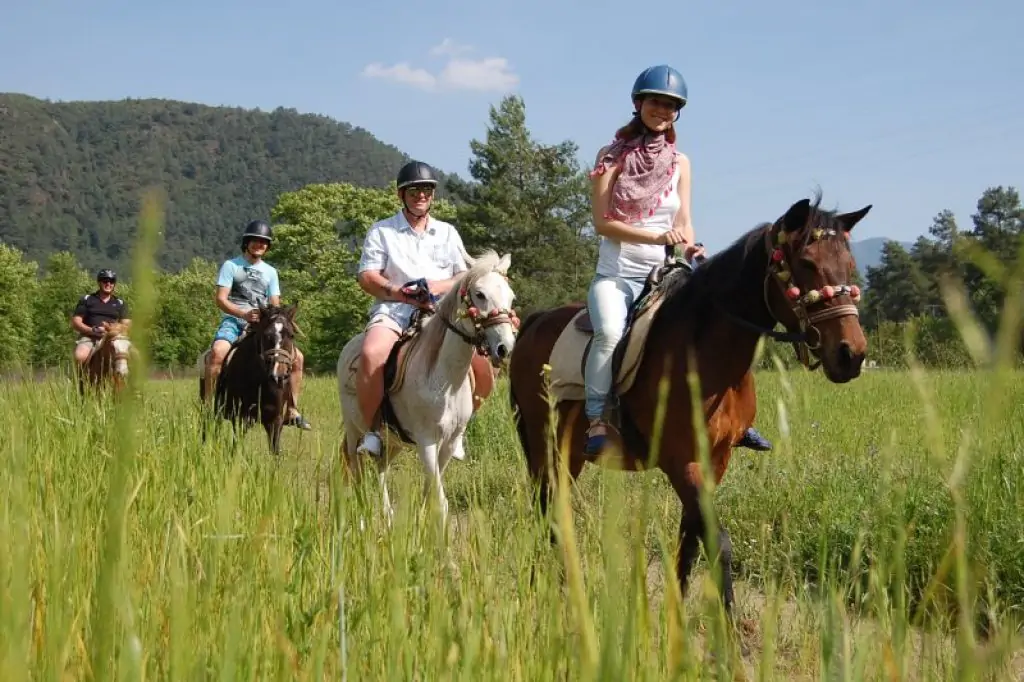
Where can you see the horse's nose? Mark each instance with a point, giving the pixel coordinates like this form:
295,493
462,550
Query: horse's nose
849,362
501,351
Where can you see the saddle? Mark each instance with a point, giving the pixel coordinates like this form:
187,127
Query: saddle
394,375
568,356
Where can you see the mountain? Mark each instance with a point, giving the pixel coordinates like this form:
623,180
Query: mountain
868,252
72,173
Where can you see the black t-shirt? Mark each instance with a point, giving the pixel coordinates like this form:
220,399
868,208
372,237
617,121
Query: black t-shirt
95,312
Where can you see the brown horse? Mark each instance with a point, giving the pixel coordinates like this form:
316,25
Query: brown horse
108,362
793,272
254,384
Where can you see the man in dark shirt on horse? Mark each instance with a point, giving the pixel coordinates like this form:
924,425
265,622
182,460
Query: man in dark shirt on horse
93,311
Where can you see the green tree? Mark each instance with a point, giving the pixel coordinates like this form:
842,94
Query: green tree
530,200
896,289
991,250
59,290
186,315
18,286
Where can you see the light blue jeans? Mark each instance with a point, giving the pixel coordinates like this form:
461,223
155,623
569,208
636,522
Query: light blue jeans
608,301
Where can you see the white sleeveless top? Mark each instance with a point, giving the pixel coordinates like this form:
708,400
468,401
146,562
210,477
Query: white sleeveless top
634,261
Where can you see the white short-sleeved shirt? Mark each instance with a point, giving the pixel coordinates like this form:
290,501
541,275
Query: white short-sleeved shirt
394,248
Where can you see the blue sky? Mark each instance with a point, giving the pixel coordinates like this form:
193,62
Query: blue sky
911,106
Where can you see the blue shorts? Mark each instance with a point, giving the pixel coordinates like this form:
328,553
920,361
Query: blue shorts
230,329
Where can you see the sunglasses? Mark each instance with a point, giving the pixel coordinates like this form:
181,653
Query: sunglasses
426,191
107,281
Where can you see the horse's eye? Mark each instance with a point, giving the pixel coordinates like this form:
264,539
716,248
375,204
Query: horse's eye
480,296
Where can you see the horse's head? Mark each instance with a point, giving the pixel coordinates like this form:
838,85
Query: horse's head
486,305
811,261
275,340
115,341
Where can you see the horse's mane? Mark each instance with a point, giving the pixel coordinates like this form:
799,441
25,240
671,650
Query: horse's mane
690,297
434,327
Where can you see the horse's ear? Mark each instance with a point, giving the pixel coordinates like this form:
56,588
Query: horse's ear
850,219
292,310
469,260
797,215
504,264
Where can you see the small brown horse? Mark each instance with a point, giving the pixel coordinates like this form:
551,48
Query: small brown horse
793,272
108,361
254,384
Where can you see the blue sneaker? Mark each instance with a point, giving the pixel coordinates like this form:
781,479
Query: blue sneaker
754,441
595,441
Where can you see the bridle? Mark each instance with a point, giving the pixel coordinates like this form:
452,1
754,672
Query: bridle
810,307
276,358
480,322
109,340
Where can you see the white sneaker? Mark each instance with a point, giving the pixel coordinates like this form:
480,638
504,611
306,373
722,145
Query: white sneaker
370,444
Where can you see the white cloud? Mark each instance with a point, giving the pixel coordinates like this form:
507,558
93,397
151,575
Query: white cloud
402,73
489,74
449,47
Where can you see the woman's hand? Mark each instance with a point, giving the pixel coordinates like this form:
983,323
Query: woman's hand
672,237
692,251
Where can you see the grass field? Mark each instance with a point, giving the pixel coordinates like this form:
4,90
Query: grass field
888,504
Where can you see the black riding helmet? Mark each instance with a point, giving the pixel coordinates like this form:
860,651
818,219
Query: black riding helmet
106,274
257,228
412,174
416,173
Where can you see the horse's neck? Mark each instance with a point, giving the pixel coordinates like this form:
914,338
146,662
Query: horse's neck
728,343
453,357
721,342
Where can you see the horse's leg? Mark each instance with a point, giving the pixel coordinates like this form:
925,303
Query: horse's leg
693,527
382,471
273,429
432,478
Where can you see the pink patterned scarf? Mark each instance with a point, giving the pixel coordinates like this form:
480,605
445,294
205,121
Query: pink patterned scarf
648,162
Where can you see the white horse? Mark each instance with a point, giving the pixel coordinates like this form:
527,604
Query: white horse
432,394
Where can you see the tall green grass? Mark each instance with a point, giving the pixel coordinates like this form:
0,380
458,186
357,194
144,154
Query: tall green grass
881,540
237,565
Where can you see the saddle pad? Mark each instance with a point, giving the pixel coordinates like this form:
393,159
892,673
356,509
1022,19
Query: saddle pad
568,354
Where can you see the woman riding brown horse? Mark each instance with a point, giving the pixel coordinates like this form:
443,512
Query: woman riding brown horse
794,272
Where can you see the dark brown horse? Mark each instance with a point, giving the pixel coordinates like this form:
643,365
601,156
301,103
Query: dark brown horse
107,365
794,272
254,384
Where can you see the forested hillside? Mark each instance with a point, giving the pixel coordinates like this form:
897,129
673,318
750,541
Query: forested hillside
71,173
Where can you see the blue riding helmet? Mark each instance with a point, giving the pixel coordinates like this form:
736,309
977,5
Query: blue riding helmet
660,80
